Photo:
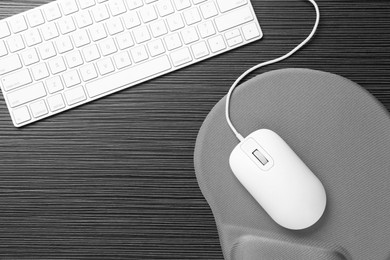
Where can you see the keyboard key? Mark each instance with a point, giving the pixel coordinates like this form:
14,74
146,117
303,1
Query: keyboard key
32,37
208,10
164,7
139,53
83,19
47,51
192,16
4,30
40,71
49,31
175,22
66,25
134,4
35,17
217,44
30,56
122,60
131,20
88,72
141,34
69,6
16,80
234,41
64,44
181,57
156,47
91,53
21,115
75,95
108,47
98,32
206,29
200,50
86,3
27,94
74,59
15,43
182,4
52,11
105,66
81,38
148,14
234,18
39,108
54,84
9,63
173,41
100,13
3,49
56,102
117,7
124,40
232,34
57,65
18,23
128,76
198,1
227,5
158,28
71,78
189,35
250,31
114,26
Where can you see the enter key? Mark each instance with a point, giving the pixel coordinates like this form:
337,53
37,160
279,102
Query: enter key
234,18
227,5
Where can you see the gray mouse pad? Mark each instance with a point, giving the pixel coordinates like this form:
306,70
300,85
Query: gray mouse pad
339,130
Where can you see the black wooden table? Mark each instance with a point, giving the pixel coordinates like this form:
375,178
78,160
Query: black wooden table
114,179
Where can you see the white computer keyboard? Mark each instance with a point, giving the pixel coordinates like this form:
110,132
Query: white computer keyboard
69,52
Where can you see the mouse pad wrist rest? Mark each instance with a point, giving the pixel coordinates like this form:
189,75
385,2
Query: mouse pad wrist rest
339,130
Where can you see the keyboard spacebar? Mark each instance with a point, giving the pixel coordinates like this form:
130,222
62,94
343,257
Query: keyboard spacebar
128,76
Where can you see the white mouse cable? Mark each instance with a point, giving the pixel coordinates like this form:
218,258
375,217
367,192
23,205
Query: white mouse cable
227,112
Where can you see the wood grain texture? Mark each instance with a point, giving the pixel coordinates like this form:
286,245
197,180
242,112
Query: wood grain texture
114,179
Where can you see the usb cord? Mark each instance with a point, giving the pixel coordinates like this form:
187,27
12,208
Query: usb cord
238,80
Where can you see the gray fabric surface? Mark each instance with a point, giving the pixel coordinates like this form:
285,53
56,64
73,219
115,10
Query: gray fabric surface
339,130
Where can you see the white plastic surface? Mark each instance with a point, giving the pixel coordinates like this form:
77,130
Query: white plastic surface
286,189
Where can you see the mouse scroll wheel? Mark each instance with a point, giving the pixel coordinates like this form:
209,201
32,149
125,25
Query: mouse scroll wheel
259,156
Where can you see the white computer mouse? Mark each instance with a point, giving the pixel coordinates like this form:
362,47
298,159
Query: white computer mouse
278,180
